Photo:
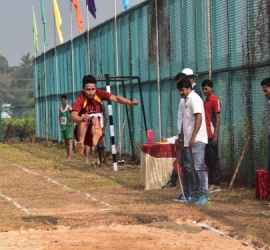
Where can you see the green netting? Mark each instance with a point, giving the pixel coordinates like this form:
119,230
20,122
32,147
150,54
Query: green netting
240,60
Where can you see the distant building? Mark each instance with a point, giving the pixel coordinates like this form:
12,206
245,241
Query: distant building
5,111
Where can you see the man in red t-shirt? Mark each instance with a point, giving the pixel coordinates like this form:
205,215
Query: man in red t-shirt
212,119
86,112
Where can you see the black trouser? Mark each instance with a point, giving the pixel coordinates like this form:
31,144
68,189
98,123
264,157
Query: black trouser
213,164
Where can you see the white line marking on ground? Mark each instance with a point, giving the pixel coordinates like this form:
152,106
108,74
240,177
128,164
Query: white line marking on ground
16,204
223,234
88,196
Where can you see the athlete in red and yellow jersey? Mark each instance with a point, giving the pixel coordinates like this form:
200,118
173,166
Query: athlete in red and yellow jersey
86,112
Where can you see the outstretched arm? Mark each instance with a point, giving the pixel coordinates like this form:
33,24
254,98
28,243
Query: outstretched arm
122,100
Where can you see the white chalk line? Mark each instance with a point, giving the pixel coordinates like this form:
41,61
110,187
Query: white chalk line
16,204
223,234
88,196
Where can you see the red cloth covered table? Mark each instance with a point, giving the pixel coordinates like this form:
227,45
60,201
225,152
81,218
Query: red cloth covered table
156,164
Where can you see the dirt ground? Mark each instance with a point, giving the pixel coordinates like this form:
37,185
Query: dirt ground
48,203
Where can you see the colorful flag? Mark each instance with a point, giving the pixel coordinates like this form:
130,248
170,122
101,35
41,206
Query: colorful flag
91,7
78,14
35,31
125,4
44,23
58,20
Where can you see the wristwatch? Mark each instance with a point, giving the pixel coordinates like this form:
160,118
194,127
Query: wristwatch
180,140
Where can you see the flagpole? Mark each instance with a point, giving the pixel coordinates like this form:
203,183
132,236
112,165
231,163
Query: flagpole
36,83
88,40
209,39
45,88
56,72
117,72
45,72
72,55
158,70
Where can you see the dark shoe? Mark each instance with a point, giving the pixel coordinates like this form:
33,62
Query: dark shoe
169,185
213,188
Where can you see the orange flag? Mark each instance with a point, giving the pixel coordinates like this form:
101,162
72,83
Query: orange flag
78,14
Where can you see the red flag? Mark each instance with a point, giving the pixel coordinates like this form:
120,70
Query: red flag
78,14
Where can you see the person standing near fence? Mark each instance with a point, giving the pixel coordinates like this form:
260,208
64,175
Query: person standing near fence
86,112
212,118
193,138
189,73
90,151
65,124
265,83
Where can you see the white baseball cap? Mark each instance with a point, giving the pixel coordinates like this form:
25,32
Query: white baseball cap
188,72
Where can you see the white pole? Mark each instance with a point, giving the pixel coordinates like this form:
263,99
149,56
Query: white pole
45,93
88,42
35,80
117,72
56,74
72,56
46,101
158,71
36,108
209,39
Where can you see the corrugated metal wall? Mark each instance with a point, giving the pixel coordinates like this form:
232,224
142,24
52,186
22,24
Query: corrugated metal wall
240,60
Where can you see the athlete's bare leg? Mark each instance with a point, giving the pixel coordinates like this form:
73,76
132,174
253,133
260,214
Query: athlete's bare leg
104,152
95,130
87,153
100,156
68,144
81,129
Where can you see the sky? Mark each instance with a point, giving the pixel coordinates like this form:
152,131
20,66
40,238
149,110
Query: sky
16,37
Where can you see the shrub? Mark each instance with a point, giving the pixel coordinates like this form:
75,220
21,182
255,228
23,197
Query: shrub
21,128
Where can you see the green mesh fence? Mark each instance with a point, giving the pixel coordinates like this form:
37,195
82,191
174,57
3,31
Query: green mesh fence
240,60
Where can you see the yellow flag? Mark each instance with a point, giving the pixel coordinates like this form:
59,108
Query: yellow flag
58,20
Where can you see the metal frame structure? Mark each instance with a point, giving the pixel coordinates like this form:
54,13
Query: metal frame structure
107,78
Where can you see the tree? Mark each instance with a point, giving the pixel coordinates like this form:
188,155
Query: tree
27,61
3,65
17,83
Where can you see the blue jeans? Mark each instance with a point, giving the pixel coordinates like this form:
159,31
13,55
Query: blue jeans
196,173
186,175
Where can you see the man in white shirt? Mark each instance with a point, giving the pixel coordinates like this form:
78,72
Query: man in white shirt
193,137
189,73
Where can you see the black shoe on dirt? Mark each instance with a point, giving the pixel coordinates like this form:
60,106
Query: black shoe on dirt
169,185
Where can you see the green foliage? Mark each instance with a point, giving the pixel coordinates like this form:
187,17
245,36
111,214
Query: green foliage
21,128
17,83
3,64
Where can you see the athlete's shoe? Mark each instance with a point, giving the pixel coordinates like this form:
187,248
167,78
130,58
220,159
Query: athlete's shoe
213,188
